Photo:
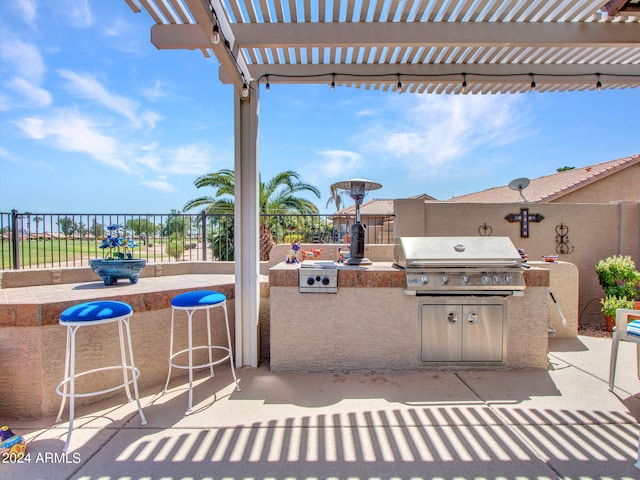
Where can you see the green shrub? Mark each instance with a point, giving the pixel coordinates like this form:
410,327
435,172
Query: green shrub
610,304
618,277
175,249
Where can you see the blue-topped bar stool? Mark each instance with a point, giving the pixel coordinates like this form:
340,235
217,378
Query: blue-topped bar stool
90,314
191,302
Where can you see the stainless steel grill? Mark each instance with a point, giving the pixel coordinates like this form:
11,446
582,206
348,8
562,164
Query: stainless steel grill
460,265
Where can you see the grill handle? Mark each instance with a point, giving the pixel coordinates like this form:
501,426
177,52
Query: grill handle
466,263
452,317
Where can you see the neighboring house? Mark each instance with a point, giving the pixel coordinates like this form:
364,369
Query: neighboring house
616,180
376,215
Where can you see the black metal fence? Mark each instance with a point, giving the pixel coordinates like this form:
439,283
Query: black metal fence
50,240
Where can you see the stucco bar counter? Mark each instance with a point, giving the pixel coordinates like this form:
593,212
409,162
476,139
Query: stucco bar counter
371,324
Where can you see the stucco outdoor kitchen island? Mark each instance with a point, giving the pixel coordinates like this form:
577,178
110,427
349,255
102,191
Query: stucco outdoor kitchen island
370,323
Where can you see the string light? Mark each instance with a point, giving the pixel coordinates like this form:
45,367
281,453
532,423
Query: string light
448,78
245,90
215,36
267,86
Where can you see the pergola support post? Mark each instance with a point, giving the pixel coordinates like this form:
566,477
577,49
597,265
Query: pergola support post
246,230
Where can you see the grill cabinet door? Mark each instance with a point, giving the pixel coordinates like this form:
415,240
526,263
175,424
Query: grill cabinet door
441,333
482,333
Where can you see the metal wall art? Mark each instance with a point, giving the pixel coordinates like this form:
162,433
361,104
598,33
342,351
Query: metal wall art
524,217
562,239
485,230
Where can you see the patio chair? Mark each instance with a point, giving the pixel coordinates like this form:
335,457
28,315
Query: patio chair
626,330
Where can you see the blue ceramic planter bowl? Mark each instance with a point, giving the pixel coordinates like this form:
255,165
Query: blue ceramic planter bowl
113,270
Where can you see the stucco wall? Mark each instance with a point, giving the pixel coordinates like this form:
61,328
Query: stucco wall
33,358
623,186
596,231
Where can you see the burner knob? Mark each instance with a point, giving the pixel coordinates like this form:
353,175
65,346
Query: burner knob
424,279
465,278
325,281
485,279
444,279
310,281
496,279
508,278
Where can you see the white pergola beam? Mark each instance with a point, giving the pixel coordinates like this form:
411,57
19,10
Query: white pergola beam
299,35
474,34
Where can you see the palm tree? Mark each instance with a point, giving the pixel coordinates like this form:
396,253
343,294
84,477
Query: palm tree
277,196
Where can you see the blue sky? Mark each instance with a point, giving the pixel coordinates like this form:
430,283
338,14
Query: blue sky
95,119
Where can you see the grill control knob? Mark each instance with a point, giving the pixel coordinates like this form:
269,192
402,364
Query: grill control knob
310,281
325,281
465,278
485,279
424,279
508,278
496,279
444,279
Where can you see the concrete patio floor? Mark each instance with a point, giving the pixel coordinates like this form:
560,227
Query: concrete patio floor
445,424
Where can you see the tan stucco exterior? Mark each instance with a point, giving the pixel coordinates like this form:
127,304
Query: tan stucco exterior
595,231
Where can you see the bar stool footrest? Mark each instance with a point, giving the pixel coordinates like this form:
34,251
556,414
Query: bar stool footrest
204,365
135,375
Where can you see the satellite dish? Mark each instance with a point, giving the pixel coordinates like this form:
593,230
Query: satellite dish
519,184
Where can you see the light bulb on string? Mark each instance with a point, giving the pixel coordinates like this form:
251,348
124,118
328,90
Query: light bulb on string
267,86
533,83
399,84
599,83
464,83
333,81
245,90
215,36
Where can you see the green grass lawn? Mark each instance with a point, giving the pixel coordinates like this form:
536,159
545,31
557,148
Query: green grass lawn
48,253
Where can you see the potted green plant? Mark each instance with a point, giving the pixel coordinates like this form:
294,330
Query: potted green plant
618,277
610,304
117,261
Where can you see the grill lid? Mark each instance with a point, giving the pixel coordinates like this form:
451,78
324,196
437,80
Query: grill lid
471,252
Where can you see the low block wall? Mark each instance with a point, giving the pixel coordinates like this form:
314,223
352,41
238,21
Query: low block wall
32,343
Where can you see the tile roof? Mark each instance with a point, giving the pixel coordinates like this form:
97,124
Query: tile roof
377,206
550,187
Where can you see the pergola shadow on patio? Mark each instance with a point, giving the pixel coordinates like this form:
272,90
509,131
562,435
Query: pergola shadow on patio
421,46
464,424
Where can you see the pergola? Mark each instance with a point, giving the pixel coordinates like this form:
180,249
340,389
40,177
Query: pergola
421,46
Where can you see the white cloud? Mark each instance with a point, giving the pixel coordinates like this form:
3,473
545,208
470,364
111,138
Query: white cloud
34,95
7,155
436,131
85,85
189,160
337,163
155,91
71,132
23,59
78,12
28,10
161,185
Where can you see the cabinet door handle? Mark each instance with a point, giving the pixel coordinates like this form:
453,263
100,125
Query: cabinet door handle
452,317
472,318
